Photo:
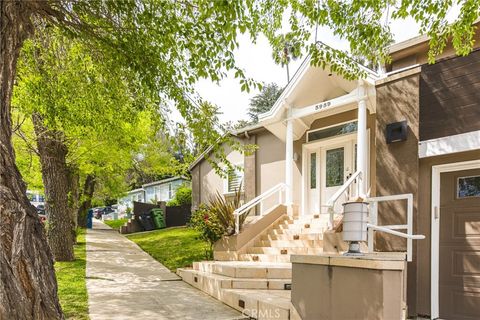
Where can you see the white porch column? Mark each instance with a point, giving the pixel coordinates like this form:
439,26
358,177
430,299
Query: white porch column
362,138
289,165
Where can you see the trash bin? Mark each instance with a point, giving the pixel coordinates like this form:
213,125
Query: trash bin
158,218
146,221
90,219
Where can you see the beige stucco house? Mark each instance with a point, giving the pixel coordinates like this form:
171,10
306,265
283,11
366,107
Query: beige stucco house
409,135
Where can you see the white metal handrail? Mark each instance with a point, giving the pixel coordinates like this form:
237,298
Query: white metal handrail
279,188
372,226
333,199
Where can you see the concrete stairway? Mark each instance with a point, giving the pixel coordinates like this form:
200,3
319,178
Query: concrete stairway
291,235
259,284
259,290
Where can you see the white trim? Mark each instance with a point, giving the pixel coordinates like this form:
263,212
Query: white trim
435,223
349,98
328,127
450,144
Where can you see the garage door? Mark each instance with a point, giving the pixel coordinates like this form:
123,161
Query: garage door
460,245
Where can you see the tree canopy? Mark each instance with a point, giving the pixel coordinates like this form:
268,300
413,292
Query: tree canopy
264,101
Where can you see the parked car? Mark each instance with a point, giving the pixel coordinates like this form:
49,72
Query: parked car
40,209
98,213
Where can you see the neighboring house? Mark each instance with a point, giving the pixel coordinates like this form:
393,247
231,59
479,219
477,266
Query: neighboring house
162,190
36,198
137,195
414,129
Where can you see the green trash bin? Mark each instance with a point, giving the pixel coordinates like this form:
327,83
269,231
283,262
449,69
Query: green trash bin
158,218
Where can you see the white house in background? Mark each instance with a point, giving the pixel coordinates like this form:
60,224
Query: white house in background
163,190
137,195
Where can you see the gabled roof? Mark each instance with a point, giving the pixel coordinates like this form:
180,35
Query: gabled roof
154,183
238,132
309,86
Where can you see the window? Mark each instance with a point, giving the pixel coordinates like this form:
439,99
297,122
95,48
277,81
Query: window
313,170
333,131
468,187
150,193
335,167
234,180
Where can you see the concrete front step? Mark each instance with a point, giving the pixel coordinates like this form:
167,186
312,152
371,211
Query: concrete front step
293,232
323,217
284,250
290,243
288,237
246,269
314,222
259,304
300,227
264,257
210,281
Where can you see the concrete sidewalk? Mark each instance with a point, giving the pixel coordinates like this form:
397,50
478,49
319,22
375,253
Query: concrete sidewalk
124,282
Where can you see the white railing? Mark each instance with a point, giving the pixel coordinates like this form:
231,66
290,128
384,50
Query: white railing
372,226
334,198
278,189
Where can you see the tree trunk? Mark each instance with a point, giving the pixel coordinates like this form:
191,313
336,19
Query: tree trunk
73,199
55,175
28,288
86,200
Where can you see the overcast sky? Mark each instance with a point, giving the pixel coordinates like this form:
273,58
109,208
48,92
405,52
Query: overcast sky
257,61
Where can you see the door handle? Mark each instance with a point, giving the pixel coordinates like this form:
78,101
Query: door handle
436,214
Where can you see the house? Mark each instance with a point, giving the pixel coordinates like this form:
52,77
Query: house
162,190
137,195
406,140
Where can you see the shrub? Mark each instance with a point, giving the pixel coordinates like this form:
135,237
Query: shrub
216,218
209,227
183,196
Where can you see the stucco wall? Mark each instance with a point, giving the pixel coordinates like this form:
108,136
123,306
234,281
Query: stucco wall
206,182
397,164
336,292
270,165
262,170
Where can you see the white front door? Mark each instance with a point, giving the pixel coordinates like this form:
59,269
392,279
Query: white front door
338,163
328,165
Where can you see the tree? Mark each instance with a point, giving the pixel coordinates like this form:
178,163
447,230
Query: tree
168,46
289,49
58,81
264,101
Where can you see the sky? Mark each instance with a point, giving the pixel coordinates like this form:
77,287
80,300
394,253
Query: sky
256,60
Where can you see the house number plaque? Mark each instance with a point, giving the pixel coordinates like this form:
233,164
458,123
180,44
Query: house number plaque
322,105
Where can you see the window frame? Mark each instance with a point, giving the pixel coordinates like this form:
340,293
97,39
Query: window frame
226,190
329,127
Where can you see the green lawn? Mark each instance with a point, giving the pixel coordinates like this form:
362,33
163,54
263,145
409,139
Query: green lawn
72,289
116,224
173,247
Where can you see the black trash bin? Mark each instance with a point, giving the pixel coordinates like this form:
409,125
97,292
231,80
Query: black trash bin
146,221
